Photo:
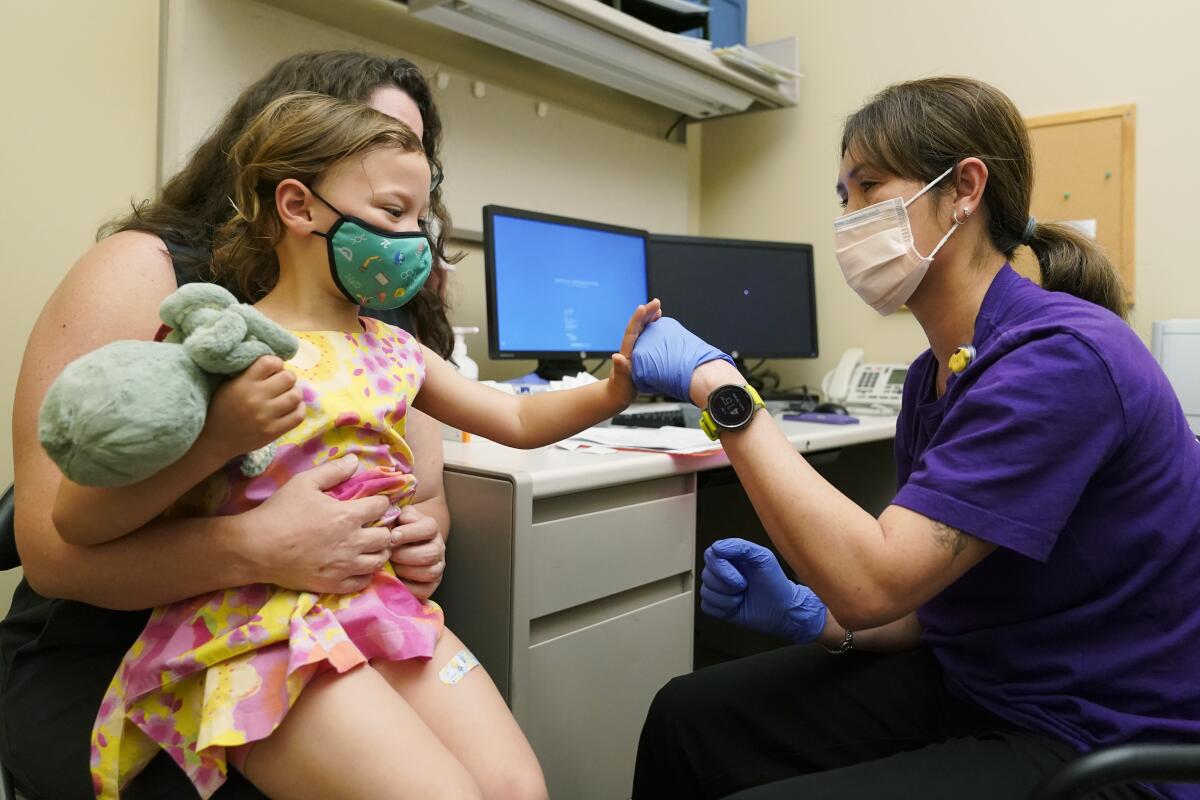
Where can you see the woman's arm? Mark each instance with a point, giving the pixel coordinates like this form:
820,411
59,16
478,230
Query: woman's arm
295,539
90,515
868,571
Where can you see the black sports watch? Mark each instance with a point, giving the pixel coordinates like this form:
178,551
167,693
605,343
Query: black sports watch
729,407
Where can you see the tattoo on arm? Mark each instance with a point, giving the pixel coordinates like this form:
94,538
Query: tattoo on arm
952,539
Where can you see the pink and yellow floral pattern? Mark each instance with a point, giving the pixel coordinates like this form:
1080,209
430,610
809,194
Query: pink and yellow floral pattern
223,669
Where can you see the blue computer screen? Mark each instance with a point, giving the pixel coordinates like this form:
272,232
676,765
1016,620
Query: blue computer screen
564,288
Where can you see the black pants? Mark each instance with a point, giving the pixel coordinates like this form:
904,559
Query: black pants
48,737
801,723
49,695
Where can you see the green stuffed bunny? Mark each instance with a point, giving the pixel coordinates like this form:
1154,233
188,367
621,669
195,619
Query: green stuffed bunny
121,413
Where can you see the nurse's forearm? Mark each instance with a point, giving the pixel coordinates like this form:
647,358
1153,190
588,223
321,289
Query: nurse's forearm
835,547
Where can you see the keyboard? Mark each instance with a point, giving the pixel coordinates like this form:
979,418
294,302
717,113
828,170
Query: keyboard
656,415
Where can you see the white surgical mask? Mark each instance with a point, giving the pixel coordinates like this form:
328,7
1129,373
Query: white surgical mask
874,248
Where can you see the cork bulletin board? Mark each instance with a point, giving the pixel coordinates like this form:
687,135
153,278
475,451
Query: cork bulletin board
1084,174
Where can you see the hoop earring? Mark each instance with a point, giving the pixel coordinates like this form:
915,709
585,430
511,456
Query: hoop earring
966,212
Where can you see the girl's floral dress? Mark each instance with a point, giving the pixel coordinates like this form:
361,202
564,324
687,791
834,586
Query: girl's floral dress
223,669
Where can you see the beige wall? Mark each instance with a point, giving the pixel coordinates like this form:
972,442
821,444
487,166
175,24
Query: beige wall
772,175
496,149
78,142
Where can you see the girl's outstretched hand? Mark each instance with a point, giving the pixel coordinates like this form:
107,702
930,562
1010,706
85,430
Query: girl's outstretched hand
620,381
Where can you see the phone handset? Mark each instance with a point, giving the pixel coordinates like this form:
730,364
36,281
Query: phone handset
836,384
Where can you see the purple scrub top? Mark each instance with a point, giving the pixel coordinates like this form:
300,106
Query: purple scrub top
1062,443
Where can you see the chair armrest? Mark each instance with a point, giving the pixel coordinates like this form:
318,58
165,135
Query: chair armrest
9,559
1130,763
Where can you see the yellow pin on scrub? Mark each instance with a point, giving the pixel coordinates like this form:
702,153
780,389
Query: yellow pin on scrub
961,358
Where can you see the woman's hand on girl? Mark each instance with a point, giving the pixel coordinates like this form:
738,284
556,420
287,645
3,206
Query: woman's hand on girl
303,539
420,558
621,379
253,409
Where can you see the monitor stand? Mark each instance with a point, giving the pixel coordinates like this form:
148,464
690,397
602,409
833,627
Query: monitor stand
557,369
740,364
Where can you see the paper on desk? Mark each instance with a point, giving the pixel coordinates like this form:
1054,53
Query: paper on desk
577,446
676,441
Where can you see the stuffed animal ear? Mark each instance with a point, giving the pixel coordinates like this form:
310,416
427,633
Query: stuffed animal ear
178,306
217,341
281,342
222,335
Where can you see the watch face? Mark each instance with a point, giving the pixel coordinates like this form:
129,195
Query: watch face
730,406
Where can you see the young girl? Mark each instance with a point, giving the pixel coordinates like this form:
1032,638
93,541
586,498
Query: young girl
287,684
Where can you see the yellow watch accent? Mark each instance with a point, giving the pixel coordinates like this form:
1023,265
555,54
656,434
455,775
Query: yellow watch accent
712,430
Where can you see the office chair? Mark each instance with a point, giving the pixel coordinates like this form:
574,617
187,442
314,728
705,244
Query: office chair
8,560
8,537
1129,763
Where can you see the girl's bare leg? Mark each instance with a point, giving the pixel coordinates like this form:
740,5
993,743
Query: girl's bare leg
472,720
353,737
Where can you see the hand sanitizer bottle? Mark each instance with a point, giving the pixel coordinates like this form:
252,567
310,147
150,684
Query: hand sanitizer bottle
466,365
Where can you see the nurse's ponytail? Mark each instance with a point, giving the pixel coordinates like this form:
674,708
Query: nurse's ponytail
919,129
1076,264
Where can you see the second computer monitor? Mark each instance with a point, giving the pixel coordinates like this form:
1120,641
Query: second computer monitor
559,289
750,299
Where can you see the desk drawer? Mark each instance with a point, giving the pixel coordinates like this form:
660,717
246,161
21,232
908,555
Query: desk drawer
580,558
588,691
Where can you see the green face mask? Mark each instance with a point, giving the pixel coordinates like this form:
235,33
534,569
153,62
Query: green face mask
373,267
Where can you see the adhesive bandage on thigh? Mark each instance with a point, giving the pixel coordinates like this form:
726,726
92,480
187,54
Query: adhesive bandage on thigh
457,667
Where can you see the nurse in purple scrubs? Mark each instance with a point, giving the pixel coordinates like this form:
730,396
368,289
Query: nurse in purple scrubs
1033,590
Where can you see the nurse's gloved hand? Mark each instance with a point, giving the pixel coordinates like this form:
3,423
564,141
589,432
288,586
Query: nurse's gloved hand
666,355
742,582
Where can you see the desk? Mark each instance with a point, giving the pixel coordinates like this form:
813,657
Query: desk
571,578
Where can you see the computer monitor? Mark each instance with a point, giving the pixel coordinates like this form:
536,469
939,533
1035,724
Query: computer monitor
751,299
559,289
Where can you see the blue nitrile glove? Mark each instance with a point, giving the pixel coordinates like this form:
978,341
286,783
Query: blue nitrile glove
742,582
666,355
